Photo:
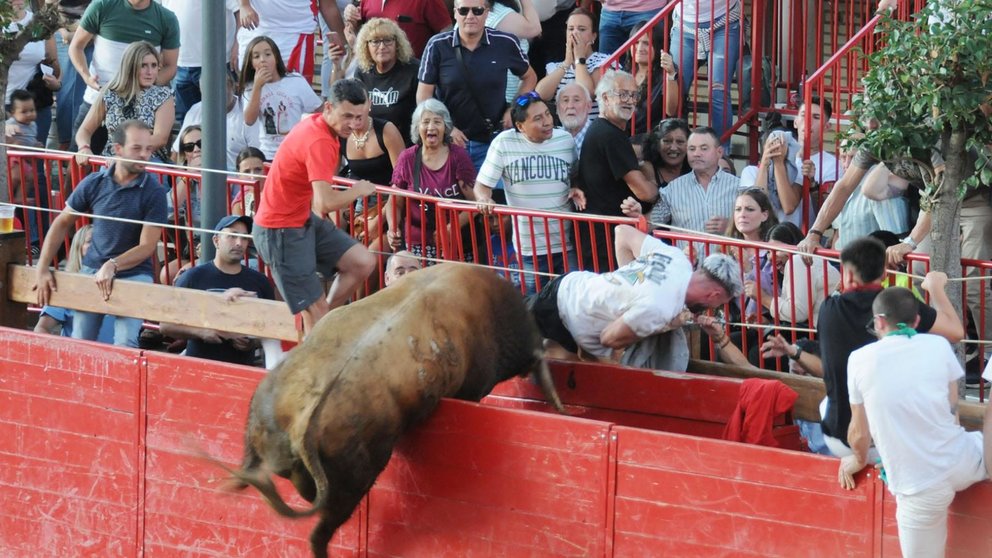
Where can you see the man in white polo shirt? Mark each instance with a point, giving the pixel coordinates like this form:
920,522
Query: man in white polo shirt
534,160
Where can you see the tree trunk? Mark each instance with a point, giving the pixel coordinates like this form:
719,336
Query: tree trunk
945,235
4,186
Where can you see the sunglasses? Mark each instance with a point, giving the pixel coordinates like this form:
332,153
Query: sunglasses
188,147
527,98
476,11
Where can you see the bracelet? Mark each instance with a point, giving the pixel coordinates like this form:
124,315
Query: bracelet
816,232
114,261
912,243
724,341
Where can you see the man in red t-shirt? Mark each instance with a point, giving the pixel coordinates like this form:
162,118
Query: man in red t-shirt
295,242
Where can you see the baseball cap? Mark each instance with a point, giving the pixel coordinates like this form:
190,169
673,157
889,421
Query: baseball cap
232,219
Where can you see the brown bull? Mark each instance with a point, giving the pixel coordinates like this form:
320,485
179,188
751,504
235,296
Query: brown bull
328,417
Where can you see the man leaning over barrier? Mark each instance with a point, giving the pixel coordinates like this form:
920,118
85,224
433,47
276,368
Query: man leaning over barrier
604,314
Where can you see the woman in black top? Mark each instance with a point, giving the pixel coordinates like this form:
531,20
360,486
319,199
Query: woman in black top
371,151
665,152
389,71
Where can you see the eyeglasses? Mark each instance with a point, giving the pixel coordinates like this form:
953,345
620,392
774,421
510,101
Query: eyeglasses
188,147
385,41
527,98
870,326
633,96
476,11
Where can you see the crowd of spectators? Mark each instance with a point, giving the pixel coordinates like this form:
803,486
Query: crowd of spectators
446,102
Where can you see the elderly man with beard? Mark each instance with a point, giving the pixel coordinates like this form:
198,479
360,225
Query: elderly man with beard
226,274
573,104
608,170
605,314
119,249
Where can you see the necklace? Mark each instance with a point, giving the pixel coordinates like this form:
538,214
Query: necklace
360,141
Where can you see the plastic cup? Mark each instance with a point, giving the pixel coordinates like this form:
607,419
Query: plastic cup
6,218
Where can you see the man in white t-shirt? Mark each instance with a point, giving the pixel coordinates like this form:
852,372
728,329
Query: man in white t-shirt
604,314
291,24
903,391
534,160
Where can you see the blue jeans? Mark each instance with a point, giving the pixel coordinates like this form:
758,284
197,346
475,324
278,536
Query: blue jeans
86,325
325,62
557,262
70,97
187,84
614,27
725,45
477,152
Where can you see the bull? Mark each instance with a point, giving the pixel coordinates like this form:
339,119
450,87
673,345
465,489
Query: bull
329,415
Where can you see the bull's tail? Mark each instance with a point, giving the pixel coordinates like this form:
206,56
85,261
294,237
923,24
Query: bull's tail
547,385
261,480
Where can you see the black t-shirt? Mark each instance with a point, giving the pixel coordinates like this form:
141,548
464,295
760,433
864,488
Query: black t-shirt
393,94
842,327
606,158
206,277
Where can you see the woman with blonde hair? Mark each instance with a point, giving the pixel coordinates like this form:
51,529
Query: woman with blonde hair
389,71
132,95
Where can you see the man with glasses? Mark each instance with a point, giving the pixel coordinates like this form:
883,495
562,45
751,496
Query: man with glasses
466,69
903,392
608,170
841,328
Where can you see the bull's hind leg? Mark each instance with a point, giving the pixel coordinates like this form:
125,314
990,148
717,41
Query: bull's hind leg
303,482
340,505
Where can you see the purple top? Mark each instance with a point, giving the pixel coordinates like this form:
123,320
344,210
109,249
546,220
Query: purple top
441,183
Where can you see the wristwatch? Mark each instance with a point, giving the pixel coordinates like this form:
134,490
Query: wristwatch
799,353
909,240
581,61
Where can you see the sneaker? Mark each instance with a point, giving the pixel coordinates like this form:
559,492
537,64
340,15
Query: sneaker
975,381
35,251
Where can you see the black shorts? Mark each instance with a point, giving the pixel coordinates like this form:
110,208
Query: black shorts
296,255
544,307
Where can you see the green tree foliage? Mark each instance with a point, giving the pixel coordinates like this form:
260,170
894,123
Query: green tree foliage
928,82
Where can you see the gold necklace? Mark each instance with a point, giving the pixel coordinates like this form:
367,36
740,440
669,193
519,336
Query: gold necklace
360,141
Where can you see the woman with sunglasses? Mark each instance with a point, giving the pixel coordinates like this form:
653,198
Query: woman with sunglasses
132,95
389,71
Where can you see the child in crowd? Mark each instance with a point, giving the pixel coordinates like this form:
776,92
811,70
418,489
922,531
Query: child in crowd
271,95
251,161
21,129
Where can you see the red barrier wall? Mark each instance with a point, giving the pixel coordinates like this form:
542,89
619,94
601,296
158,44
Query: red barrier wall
99,445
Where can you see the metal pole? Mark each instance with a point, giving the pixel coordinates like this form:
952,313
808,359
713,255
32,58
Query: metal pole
214,87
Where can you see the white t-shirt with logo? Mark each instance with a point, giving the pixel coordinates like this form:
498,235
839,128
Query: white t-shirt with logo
649,292
280,107
535,176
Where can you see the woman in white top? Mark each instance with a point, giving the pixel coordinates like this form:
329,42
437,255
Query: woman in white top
803,288
580,63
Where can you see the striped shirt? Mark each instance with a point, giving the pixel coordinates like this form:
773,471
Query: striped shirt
536,176
686,204
862,216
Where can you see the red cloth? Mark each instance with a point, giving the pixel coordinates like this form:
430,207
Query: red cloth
759,402
309,153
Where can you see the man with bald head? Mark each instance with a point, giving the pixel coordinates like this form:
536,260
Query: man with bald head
573,104
399,264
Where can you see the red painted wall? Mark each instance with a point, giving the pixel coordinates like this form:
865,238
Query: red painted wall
99,446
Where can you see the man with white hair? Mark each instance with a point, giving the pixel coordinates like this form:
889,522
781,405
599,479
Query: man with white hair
604,314
574,104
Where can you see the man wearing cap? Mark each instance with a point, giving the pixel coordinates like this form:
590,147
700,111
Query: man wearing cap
606,313
226,274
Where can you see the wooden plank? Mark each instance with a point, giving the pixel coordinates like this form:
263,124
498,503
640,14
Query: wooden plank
13,313
811,391
160,303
